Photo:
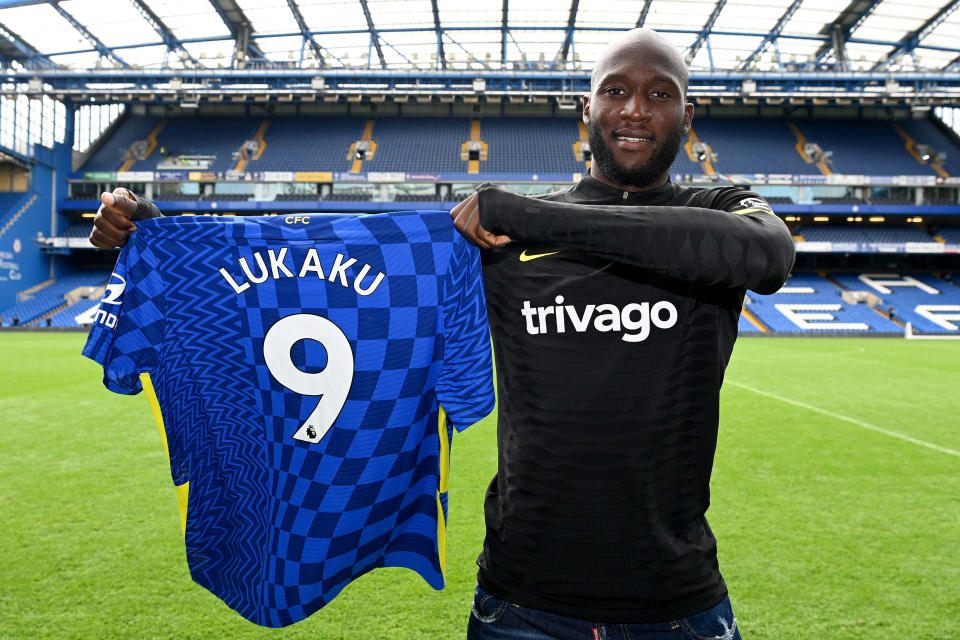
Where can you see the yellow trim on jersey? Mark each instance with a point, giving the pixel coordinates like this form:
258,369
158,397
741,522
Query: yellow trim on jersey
444,452
442,486
753,210
183,490
441,538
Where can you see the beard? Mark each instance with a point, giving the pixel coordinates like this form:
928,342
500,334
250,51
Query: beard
638,176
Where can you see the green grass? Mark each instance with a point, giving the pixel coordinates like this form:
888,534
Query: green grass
827,529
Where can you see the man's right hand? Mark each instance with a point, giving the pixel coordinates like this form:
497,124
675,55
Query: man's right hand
113,225
466,218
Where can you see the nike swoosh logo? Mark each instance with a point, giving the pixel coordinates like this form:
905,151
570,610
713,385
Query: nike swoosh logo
527,258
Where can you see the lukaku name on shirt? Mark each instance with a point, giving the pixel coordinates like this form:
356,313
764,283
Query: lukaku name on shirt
311,264
306,379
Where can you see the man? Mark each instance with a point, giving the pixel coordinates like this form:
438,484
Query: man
612,327
614,309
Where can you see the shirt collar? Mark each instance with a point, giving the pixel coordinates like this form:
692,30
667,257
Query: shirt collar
592,189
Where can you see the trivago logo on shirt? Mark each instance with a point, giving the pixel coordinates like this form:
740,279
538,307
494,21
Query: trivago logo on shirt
634,319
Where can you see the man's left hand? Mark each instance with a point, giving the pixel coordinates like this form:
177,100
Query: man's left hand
466,217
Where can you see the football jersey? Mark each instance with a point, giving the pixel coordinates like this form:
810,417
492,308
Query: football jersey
614,315
306,373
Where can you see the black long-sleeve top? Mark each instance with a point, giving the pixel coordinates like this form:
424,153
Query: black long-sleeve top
612,327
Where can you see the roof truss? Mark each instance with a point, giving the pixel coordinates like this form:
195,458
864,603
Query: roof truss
103,49
913,38
13,47
241,30
374,36
773,35
830,42
845,24
441,54
644,12
173,44
705,32
564,52
307,36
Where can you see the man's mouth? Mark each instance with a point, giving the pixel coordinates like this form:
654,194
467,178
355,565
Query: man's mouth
632,140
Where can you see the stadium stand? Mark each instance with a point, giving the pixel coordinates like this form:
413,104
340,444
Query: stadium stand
419,145
297,197
227,197
863,147
201,135
428,144
76,230
349,195
745,326
309,144
414,197
515,143
926,131
109,155
52,296
911,296
889,200
685,166
808,303
865,234
180,197
841,200
811,303
950,234
13,208
748,145
9,203
68,316
945,198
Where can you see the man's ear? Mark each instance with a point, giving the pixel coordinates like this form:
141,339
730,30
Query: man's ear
687,117
585,100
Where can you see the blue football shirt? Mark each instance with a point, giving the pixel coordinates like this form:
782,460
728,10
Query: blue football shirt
305,372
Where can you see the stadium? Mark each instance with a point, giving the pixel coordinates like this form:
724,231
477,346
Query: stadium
838,465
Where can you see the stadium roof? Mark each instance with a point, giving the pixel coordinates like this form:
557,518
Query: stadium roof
479,35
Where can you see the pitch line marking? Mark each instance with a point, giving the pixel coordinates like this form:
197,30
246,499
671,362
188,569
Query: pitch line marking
814,354
859,423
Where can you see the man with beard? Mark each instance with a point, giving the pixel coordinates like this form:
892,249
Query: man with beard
613,308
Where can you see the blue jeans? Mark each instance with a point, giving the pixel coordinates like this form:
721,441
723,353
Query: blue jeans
496,619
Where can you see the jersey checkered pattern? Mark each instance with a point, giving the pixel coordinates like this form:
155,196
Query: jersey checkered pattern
246,327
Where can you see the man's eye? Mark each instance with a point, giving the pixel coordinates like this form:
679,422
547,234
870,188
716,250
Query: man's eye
661,94
616,91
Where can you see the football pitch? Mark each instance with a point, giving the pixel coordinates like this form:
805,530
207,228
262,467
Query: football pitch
835,501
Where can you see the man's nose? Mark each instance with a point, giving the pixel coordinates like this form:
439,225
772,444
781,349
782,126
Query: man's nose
636,108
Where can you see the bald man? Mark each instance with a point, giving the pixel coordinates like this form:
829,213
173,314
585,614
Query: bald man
613,308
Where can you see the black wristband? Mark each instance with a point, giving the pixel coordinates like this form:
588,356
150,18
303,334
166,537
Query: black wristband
145,209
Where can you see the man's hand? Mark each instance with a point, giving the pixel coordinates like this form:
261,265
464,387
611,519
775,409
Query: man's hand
466,217
113,226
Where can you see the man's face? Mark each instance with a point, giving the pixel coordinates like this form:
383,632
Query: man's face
636,118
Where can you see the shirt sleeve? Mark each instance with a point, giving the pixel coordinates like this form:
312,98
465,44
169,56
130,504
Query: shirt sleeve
465,386
128,326
736,243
